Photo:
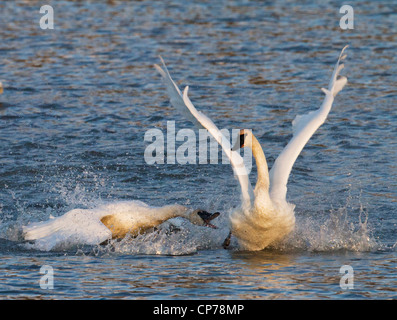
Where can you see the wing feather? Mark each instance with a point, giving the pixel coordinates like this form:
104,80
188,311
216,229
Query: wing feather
183,104
304,126
175,95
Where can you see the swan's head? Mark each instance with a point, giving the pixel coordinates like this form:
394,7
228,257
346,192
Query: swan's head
203,218
244,140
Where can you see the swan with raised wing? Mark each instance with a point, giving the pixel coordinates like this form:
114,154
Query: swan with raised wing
264,216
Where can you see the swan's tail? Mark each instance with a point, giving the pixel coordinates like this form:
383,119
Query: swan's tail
78,226
39,230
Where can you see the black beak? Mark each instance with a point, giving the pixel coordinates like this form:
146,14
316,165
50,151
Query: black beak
207,217
240,143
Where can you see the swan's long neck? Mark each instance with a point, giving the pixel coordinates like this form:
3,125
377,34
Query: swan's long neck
181,211
173,211
262,182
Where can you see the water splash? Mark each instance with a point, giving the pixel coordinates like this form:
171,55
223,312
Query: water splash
344,228
337,231
174,237
156,243
81,190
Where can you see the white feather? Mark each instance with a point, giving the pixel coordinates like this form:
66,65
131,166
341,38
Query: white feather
304,126
84,226
264,217
183,104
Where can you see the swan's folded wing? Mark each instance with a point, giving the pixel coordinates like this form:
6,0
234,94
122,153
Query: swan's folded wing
183,104
304,127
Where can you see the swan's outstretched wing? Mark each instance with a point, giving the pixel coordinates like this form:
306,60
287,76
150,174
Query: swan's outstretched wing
183,104
304,127
175,95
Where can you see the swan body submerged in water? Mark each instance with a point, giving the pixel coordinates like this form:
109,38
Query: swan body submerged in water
109,221
264,216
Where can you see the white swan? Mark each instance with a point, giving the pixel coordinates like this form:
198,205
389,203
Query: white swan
109,221
264,216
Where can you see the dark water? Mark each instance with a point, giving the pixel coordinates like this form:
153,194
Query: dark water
78,100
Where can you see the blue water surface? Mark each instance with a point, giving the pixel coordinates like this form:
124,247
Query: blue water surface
79,98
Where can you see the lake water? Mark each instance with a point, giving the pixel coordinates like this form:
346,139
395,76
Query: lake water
78,100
